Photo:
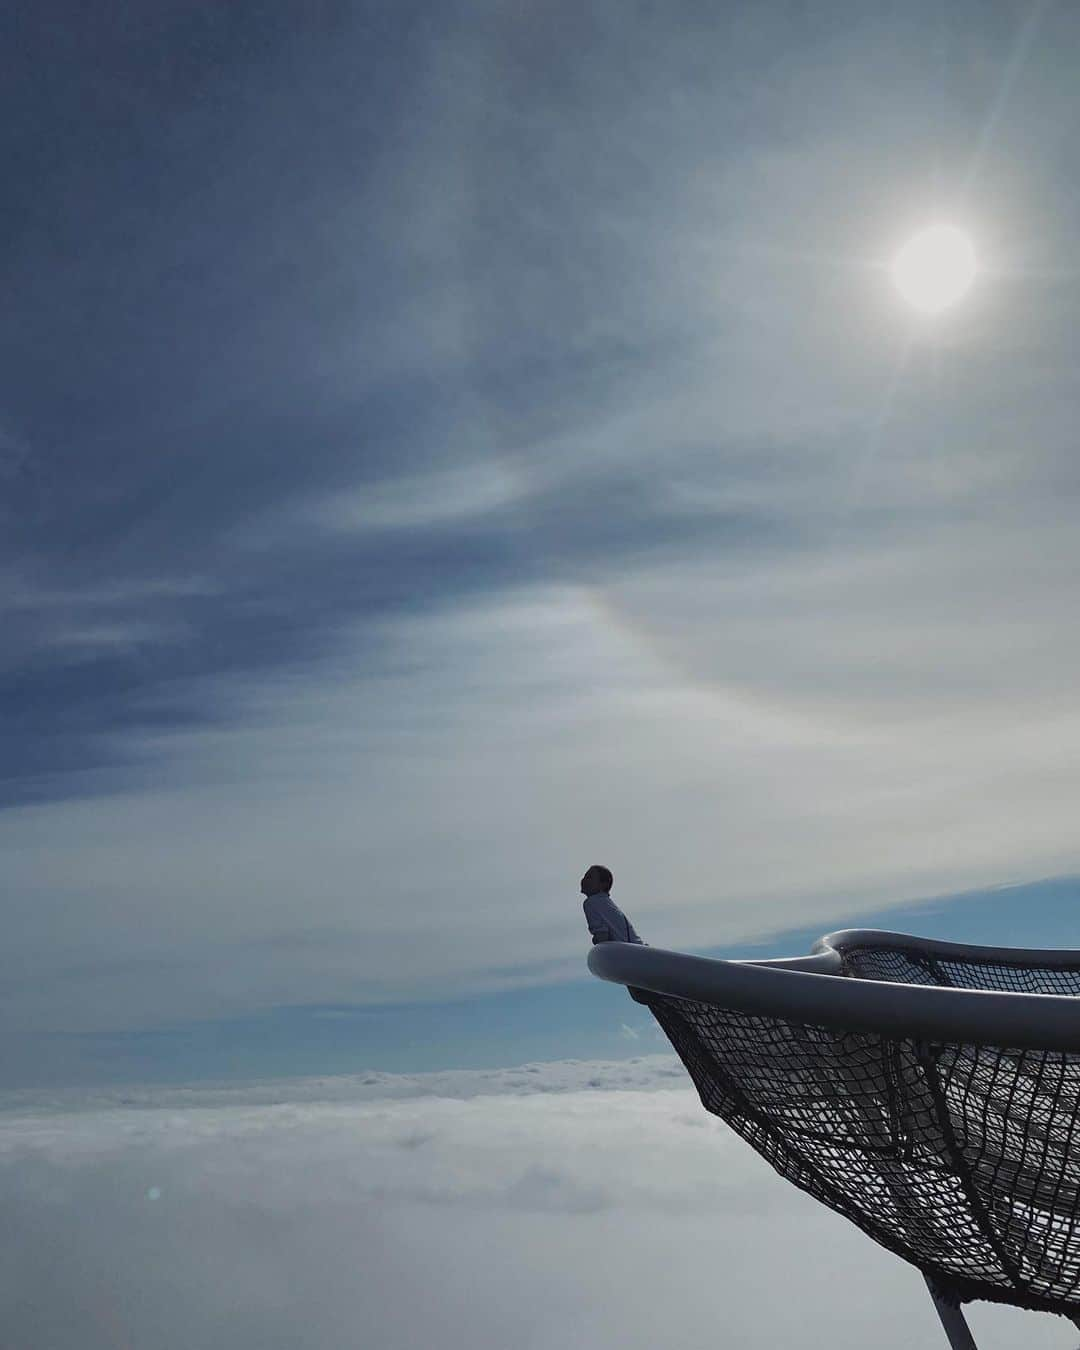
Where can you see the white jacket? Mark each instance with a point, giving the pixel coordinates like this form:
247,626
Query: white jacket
607,922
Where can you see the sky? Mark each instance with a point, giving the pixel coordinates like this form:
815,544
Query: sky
443,446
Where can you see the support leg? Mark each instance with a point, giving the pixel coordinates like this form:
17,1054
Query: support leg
952,1319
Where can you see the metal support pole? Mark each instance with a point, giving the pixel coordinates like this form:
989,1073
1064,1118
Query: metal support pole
952,1319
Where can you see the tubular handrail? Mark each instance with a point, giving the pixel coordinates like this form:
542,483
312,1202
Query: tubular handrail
812,990
1050,958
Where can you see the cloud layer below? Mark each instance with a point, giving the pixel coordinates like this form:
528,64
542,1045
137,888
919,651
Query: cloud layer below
589,1205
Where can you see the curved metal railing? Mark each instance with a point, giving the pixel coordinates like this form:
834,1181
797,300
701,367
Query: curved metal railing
927,1091
820,989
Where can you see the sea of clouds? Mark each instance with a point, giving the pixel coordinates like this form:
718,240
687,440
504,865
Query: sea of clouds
552,1205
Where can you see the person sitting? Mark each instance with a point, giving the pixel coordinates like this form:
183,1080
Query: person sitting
607,922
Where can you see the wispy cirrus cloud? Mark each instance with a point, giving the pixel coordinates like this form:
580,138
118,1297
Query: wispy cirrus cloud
471,447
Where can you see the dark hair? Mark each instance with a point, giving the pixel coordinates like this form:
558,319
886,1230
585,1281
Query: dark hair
603,875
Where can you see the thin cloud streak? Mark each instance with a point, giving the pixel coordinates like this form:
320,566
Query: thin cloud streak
290,818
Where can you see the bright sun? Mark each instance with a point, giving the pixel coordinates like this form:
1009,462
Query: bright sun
935,268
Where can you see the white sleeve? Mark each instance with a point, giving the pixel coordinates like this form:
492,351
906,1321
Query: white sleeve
598,925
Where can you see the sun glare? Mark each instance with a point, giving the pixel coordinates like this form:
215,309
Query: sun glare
935,268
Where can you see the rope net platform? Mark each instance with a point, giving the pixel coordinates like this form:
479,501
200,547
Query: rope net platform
927,1091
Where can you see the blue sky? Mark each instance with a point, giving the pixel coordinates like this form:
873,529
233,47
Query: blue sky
445,446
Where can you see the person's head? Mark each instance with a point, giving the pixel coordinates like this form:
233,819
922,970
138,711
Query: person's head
596,879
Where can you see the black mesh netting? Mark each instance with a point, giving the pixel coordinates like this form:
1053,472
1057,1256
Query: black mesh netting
962,1159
